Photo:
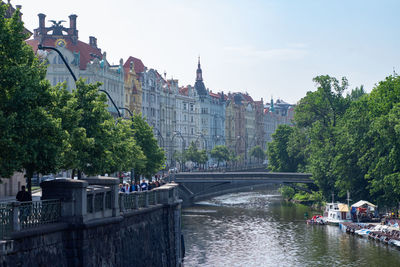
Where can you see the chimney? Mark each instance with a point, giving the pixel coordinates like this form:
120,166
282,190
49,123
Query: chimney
42,17
93,41
72,21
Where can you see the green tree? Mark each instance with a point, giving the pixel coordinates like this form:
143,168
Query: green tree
382,157
318,114
180,158
220,153
287,192
258,153
325,105
203,157
279,158
352,146
192,153
30,136
144,137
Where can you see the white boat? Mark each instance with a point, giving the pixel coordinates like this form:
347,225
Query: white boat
336,213
394,242
363,232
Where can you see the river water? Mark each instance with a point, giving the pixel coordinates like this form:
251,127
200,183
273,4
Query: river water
259,229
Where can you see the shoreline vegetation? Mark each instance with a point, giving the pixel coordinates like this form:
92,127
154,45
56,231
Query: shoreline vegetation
347,139
314,200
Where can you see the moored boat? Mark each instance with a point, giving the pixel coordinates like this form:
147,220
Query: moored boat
336,213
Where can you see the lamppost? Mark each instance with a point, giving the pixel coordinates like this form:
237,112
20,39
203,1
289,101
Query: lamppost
129,111
41,47
245,147
132,169
205,142
176,133
160,135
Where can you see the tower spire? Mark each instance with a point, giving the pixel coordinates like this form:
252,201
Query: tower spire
199,75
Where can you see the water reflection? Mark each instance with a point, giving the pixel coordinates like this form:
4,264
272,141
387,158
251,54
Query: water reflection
258,229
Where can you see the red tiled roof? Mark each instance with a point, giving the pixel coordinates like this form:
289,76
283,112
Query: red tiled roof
137,64
247,97
214,95
84,49
184,91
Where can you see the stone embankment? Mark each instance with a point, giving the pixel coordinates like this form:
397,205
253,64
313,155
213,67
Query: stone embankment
89,223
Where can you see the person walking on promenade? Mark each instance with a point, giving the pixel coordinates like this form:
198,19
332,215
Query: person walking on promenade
132,188
144,185
138,188
121,188
127,187
23,195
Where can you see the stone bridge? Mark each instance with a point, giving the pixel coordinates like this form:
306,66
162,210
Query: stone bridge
195,186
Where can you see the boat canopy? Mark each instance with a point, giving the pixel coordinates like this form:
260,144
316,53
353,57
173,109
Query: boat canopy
362,203
343,207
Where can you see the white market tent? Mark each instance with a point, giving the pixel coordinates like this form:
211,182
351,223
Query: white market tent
362,203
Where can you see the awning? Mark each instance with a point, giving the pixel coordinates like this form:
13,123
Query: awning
343,208
362,203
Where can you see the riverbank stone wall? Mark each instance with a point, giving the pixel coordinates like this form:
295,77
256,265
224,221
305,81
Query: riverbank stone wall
140,237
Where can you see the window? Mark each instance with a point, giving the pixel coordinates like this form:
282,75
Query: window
191,107
184,117
184,106
191,118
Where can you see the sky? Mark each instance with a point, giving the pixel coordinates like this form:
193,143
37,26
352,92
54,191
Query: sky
270,48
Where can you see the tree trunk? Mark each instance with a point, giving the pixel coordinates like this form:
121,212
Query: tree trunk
29,175
73,174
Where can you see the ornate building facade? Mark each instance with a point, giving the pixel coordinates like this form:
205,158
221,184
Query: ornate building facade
85,59
275,114
133,88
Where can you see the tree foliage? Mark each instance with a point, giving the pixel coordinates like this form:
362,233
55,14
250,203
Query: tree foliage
257,152
144,136
30,137
220,153
348,143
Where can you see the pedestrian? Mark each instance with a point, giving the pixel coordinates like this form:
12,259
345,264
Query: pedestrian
127,187
138,188
144,186
121,188
23,195
132,188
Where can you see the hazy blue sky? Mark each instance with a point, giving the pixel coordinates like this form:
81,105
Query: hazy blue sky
267,48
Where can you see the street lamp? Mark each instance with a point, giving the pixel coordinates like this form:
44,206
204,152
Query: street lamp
172,142
41,47
160,135
245,147
130,112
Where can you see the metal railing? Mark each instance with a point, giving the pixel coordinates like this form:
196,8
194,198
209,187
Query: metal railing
6,219
98,199
137,200
100,203
16,216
